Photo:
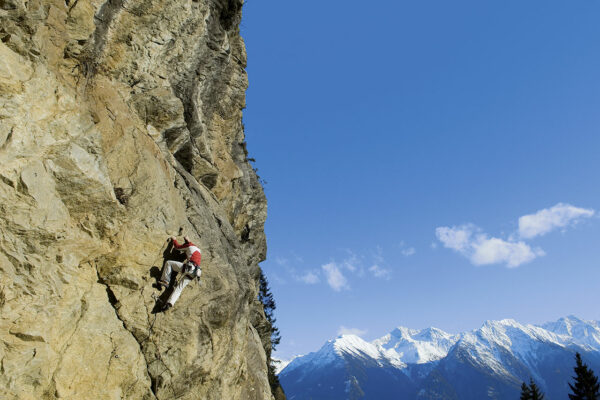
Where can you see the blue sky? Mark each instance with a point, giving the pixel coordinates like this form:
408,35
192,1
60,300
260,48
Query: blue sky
402,141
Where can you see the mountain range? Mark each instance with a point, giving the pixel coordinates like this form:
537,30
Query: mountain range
487,363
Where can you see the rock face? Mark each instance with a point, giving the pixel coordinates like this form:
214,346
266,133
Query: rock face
120,125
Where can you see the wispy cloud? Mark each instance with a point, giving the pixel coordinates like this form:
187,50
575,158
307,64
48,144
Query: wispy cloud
549,219
335,278
338,274
294,268
297,259
409,251
351,331
378,255
351,262
281,261
277,279
406,250
481,249
379,272
310,278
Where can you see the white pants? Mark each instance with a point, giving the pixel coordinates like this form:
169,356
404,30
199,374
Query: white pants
183,282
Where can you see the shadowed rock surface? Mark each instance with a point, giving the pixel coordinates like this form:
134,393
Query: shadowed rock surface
120,123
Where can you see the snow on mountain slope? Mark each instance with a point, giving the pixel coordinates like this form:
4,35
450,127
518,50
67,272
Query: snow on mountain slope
335,351
281,364
412,346
354,345
431,364
575,330
487,345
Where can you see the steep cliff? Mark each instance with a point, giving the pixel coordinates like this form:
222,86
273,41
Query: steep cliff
121,124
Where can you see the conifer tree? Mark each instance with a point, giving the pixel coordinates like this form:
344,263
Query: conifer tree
266,298
586,385
525,392
535,392
531,391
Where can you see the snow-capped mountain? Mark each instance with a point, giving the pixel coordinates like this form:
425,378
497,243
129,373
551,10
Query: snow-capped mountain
417,347
583,333
345,368
489,362
347,346
281,364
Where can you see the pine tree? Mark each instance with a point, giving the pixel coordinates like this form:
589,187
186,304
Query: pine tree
586,385
266,298
525,392
531,391
535,392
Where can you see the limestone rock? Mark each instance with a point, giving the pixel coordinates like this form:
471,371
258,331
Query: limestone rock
120,125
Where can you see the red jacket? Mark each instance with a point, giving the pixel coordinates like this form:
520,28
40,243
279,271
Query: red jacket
192,252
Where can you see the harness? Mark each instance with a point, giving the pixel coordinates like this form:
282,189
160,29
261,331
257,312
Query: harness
192,269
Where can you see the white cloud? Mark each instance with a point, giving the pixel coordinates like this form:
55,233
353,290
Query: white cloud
297,274
335,278
455,238
379,272
549,219
494,251
351,262
350,331
309,278
408,252
405,249
481,249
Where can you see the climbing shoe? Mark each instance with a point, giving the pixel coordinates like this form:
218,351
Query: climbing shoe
166,307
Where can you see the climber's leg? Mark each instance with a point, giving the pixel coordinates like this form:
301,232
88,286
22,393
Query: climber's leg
169,267
177,290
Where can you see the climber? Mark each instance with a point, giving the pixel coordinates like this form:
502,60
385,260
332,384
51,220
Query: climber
189,269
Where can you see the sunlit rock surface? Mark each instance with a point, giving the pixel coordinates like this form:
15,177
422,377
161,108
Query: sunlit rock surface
120,124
